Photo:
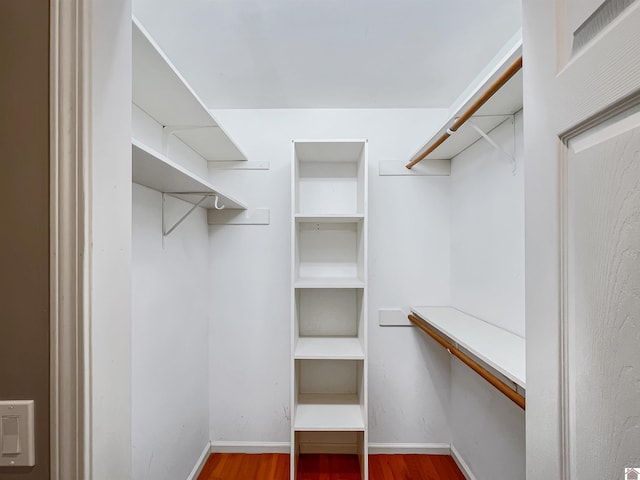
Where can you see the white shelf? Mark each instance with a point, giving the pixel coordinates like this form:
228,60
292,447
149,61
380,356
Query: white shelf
334,282
154,170
328,348
329,218
163,93
327,413
501,350
329,151
505,102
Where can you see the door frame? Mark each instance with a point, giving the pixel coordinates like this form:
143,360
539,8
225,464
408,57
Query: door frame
69,117
551,120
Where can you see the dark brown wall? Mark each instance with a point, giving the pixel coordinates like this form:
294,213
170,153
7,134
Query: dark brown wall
24,217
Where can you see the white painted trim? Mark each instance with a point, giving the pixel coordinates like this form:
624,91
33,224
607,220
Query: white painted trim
462,465
410,448
70,455
200,463
250,447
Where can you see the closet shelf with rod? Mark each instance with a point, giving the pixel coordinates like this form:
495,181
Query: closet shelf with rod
493,99
154,170
494,353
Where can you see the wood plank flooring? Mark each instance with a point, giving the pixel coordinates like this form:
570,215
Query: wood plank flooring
275,466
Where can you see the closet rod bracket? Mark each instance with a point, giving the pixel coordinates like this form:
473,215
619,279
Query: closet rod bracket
494,144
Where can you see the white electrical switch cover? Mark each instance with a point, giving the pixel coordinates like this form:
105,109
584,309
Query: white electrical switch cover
17,447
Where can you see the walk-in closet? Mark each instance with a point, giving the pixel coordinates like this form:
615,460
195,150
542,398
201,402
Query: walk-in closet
304,240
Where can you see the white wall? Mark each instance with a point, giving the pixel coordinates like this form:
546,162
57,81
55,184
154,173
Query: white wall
170,346
487,281
487,230
170,405
488,429
250,267
109,180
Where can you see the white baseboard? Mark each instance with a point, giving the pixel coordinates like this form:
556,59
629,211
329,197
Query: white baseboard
250,447
201,462
409,448
462,465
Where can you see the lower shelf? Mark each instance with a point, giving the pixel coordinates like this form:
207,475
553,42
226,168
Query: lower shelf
328,282
328,413
337,348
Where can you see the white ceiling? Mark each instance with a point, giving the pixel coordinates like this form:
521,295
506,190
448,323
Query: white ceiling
329,53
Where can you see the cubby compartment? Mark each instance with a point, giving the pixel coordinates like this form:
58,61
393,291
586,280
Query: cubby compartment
329,395
328,442
329,323
329,177
335,442
328,250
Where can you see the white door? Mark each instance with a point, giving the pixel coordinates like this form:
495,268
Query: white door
582,203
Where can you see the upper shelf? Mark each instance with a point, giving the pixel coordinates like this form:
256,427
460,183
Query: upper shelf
505,102
501,350
154,170
328,151
163,93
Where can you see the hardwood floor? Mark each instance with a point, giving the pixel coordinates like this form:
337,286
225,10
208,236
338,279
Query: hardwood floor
328,467
275,466
232,466
413,467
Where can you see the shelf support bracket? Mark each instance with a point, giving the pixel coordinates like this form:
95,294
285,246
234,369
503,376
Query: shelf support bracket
166,232
494,144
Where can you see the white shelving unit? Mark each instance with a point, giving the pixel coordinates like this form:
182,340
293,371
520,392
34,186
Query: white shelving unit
501,350
500,107
328,276
162,92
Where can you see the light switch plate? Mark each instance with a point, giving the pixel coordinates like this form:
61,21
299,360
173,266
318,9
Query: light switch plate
17,446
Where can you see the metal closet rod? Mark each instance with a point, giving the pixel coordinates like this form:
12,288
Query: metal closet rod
510,393
495,86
